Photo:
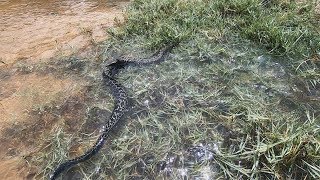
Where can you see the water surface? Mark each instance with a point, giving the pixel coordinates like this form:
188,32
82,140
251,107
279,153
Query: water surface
36,33
38,28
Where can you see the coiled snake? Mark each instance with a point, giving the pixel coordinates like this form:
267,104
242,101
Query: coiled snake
120,102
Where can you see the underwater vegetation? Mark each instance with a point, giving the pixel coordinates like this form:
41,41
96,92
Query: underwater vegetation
238,98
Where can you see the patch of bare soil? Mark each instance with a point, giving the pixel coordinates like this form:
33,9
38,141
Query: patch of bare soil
38,38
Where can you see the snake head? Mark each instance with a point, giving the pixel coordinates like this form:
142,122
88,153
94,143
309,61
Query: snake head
111,61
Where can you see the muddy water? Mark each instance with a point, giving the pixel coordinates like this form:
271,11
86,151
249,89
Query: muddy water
40,28
34,32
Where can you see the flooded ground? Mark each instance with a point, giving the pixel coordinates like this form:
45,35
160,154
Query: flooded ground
39,29
219,106
34,33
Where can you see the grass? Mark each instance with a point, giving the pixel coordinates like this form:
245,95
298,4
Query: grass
238,98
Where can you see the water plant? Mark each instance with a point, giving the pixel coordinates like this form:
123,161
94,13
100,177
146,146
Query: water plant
238,98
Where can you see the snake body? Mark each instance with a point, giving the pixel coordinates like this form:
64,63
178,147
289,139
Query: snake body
120,102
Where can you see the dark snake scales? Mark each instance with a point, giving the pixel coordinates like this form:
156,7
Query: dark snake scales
120,102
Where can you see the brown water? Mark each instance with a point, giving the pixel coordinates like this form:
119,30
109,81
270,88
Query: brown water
34,32
40,28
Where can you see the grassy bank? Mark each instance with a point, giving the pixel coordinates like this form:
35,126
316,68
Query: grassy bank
237,98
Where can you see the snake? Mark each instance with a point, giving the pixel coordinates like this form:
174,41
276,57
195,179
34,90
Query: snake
120,97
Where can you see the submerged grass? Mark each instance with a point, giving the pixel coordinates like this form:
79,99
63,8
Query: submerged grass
238,98
287,29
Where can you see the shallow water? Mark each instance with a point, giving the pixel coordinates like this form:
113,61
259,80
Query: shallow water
36,33
38,28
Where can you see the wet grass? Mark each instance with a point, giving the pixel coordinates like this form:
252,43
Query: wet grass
238,98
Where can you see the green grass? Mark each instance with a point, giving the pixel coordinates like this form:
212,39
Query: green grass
237,98
279,26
